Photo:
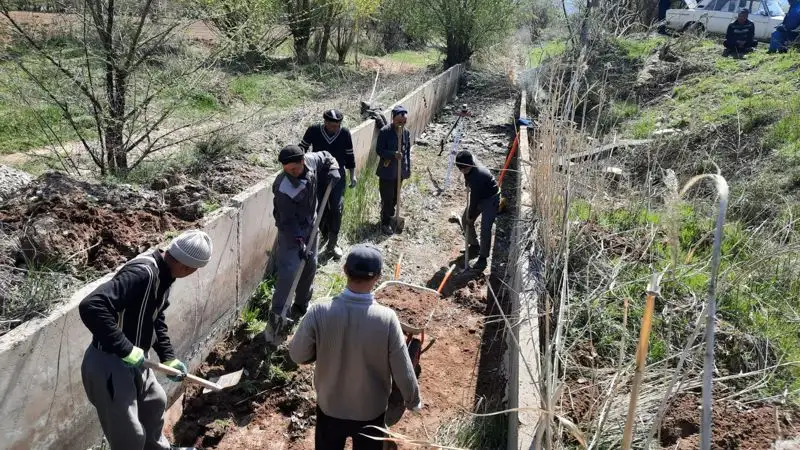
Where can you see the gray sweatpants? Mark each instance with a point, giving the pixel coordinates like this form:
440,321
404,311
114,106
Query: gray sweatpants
288,261
129,402
488,212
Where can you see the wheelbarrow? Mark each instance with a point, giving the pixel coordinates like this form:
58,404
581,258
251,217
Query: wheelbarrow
415,339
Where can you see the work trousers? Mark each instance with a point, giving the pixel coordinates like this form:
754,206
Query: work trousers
331,221
388,189
741,50
288,261
129,402
781,39
487,210
332,433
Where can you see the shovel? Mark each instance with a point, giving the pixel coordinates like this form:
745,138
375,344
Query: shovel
225,381
399,223
277,336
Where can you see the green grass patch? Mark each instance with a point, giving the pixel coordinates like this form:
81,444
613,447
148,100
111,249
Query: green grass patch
419,58
544,51
639,48
273,90
361,204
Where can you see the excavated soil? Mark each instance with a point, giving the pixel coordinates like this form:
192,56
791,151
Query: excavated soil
413,306
78,225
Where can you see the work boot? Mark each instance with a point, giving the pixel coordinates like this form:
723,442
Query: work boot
335,252
474,249
480,264
298,311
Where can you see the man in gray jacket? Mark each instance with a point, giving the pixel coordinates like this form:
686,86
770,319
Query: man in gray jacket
295,196
359,349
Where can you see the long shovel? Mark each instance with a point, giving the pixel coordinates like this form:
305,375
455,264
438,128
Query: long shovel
399,223
278,336
225,381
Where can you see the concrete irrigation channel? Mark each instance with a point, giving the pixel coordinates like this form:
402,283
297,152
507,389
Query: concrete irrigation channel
470,363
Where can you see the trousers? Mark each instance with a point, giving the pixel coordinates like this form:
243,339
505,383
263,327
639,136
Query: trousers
487,210
388,190
332,433
129,402
780,40
331,222
288,261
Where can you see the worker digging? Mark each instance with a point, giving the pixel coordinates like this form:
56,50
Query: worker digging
330,136
126,318
366,359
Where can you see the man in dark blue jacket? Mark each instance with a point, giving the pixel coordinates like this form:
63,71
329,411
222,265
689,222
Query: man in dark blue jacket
484,201
786,32
389,158
126,318
296,196
740,37
330,136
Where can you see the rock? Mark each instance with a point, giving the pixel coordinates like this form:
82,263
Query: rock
422,142
12,180
666,132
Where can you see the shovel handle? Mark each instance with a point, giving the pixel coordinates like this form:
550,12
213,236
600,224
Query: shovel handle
444,280
175,372
397,267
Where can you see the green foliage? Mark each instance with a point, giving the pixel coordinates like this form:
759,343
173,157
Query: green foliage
639,48
361,204
416,58
274,90
542,52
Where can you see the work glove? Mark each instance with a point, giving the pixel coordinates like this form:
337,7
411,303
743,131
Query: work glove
177,365
135,358
302,251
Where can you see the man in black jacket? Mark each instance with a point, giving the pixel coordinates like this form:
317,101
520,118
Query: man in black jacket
390,157
484,201
126,316
296,194
330,136
740,36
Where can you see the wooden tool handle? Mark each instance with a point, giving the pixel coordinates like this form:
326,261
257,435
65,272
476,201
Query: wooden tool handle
444,280
175,372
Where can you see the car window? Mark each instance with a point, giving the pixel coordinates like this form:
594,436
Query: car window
723,5
773,8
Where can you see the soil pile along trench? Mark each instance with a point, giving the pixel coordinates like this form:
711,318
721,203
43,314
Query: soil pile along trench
273,406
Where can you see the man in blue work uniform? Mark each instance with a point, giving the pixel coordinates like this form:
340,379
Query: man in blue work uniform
295,202
786,32
740,37
484,201
389,158
330,136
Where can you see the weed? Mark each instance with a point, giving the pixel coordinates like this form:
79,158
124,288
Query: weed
544,51
210,206
361,203
467,431
639,49
273,90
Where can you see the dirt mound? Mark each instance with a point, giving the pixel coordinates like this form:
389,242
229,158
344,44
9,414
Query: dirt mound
58,220
413,306
733,428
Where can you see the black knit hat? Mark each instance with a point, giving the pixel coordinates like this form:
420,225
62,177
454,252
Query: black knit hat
364,260
464,159
333,115
290,154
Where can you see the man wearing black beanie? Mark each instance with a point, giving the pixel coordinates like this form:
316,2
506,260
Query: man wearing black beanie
295,196
484,201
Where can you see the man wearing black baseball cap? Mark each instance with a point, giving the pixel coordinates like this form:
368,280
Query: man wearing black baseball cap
359,349
390,157
330,136
484,201
296,197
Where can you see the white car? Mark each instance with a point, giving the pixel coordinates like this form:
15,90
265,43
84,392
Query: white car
714,16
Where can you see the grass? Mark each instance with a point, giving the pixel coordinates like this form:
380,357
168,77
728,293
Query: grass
273,90
361,203
416,58
639,48
546,50
468,431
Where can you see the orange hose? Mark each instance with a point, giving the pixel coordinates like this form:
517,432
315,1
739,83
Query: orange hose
508,160
444,280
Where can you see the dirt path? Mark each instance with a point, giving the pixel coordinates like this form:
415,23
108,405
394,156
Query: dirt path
455,367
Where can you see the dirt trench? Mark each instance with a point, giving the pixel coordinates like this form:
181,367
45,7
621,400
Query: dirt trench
273,407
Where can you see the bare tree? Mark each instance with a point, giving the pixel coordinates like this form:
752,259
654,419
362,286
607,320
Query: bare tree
110,77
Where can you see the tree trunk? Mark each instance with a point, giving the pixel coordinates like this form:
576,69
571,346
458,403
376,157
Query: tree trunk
458,51
115,125
301,48
322,54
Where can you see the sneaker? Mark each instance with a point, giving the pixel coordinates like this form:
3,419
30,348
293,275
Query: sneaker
335,252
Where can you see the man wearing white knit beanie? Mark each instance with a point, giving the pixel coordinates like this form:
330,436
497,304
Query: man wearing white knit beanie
126,318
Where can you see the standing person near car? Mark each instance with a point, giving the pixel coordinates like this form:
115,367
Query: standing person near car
484,201
359,350
296,198
330,136
389,158
126,318
740,37
786,32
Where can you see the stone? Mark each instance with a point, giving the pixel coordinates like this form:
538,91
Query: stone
11,180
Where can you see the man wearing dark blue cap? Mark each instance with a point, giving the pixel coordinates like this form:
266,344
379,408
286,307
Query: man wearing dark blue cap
390,157
359,350
484,201
296,193
330,136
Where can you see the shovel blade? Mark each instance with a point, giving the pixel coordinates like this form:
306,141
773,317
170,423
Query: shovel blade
398,224
227,380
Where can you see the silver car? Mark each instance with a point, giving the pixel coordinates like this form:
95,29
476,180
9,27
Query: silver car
714,16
